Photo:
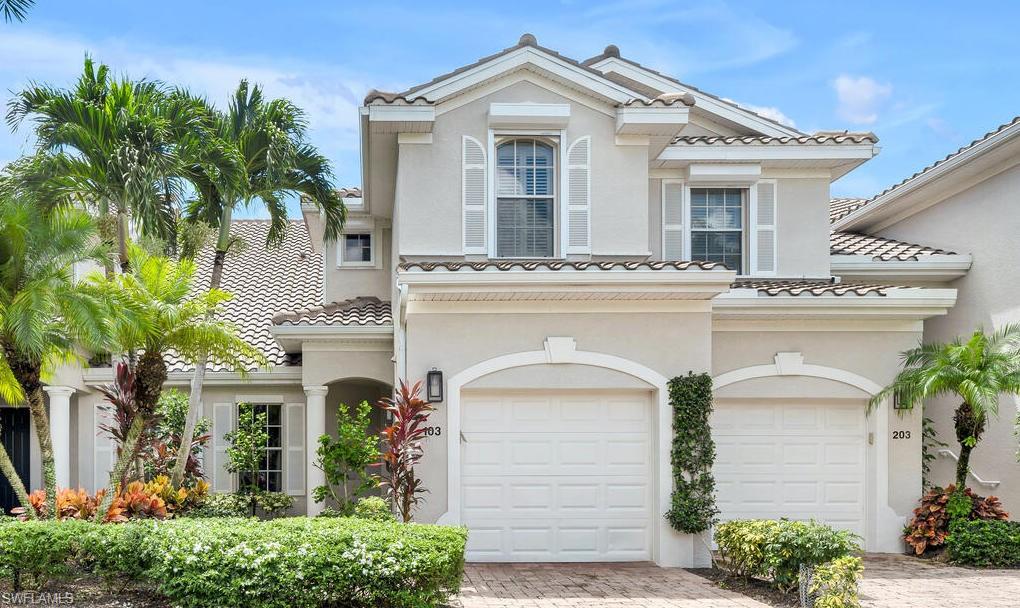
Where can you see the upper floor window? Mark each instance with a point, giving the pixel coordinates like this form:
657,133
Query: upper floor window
525,198
356,249
717,226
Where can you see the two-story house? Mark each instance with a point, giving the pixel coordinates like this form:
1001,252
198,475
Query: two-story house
555,239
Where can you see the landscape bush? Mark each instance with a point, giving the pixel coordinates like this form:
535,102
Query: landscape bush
203,563
773,550
984,543
834,584
375,509
928,529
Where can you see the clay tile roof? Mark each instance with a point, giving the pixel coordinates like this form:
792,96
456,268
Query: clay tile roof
664,100
842,207
375,96
365,311
352,192
263,282
808,287
852,243
938,163
821,137
551,265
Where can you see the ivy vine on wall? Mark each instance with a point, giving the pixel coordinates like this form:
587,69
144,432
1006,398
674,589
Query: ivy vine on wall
692,508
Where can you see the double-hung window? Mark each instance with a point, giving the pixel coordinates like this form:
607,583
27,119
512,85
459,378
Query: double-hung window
717,226
525,197
269,477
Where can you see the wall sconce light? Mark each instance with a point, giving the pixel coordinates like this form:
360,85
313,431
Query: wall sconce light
897,403
434,386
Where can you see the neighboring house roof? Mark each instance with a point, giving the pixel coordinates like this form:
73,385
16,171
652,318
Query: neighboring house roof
842,207
263,282
1001,133
879,248
554,265
349,192
364,311
809,287
821,137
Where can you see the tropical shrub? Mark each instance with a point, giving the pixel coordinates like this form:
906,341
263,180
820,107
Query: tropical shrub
929,527
160,453
774,550
295,562
346,459
984,543
403,452
155,499
274,503
223,504
373,508
692,509
834,584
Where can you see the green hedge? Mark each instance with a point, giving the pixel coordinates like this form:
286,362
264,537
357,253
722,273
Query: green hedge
207,563
984,543
692,506
773,550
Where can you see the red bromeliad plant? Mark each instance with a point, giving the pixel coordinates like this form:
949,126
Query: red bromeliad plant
409,414
928,530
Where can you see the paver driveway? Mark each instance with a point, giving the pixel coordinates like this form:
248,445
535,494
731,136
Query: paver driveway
898,581
592,586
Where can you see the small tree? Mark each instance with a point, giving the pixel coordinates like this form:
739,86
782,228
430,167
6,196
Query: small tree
247,450
977,371
346,459
404,450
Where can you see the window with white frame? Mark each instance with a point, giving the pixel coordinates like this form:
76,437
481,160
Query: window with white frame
269,477
356,248
717,226
525,197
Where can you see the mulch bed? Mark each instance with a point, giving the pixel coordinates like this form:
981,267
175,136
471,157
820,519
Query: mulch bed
750,587
82,592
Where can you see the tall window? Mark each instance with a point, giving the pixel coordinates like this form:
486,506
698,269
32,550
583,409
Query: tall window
270,473
717,226
525,198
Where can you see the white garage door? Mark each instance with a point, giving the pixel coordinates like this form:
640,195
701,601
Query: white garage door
800,461
560,476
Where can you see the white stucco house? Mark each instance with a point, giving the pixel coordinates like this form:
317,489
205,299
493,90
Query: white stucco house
558,238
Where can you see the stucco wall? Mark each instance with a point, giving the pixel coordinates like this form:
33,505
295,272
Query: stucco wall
982,221
429,177
669,343
342,283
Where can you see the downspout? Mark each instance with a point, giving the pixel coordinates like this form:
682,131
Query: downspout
401,332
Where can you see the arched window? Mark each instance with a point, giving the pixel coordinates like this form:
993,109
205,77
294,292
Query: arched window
525,198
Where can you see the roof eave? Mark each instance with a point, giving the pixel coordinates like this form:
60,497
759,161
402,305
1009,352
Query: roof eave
899,303
936,267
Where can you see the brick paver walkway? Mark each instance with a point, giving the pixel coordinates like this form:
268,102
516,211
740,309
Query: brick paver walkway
898,581
592,586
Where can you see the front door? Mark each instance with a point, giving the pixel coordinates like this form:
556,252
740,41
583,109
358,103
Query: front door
14,434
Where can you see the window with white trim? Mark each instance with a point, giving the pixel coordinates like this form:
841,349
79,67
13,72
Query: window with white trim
718,220
526,197
269,477
356,249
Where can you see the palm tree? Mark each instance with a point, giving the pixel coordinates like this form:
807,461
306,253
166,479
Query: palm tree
165,317
46,317
977,371
122,147
269,139
15,10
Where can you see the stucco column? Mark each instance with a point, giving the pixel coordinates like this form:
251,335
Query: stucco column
60,429
315,427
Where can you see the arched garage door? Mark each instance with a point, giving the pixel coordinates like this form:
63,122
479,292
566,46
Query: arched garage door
800,459
557,475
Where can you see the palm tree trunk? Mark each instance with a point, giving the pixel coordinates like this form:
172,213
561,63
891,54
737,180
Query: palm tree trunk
37,407
963,467
8,471
198,379
124,460
969,428
122,239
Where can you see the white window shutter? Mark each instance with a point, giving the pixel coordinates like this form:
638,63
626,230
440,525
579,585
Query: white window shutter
473,195
294,459
223,423
673,220
103,456
764,220
579,196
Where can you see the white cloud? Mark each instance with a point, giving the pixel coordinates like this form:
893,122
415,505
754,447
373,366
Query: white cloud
770,112
860,98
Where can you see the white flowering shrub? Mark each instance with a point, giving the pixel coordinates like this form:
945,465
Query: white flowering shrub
293,562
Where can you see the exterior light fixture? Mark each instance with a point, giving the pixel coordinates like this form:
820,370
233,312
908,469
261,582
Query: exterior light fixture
897,403
434,386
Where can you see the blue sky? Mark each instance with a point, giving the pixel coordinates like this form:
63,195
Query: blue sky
927,77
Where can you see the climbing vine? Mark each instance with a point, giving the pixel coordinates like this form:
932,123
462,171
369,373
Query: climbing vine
692,509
